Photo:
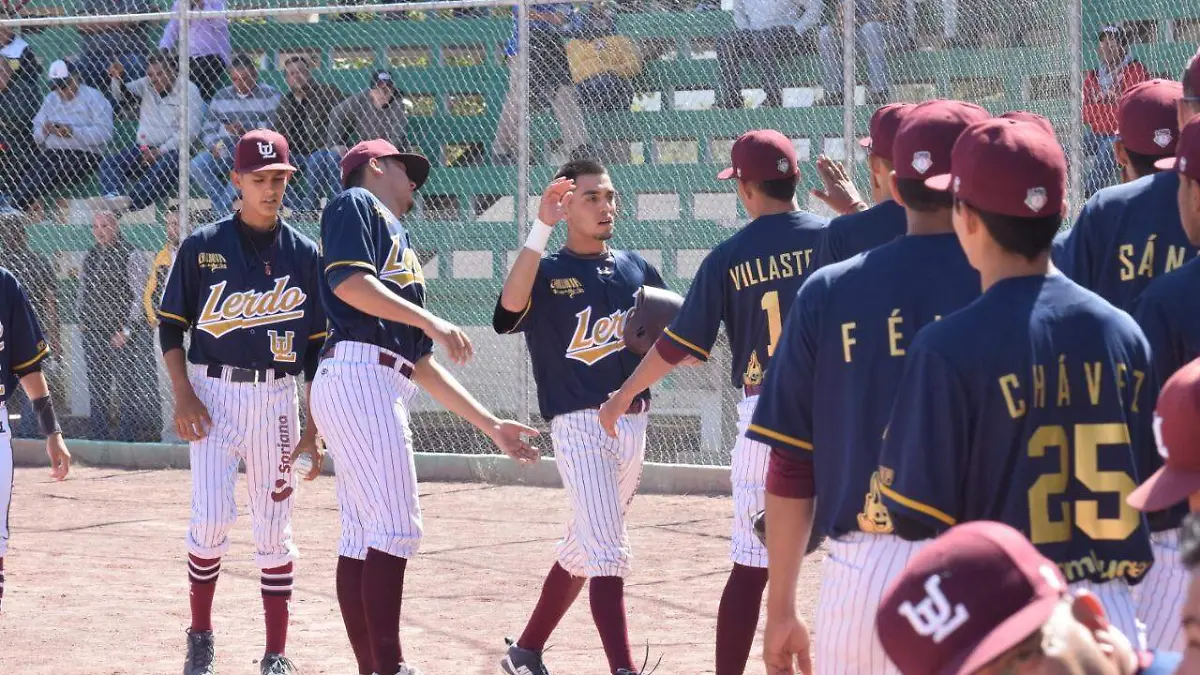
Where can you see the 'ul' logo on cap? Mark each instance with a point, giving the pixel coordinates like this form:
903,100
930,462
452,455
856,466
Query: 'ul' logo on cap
266,150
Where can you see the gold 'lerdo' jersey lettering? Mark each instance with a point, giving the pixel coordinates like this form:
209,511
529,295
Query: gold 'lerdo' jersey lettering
402,268
592,342
223,314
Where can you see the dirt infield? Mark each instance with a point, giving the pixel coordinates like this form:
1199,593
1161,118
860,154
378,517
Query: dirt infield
96,581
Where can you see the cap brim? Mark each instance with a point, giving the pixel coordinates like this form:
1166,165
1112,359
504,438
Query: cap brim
1004,637
278,166
725,174
416,166
940,183
865,142
1164,489
1166,163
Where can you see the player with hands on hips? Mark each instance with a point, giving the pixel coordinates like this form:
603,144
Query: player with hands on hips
246,288
378,352
572,305
22,350
748,282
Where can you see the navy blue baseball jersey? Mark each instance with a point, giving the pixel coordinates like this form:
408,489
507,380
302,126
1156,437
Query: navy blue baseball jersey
22,345
238,314
834,378
849,235
1029,407
748,281
574,325
1125,237
359,233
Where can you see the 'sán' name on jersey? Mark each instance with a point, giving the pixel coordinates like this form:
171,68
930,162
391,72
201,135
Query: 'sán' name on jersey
592,342
248,309
782,266
1135,264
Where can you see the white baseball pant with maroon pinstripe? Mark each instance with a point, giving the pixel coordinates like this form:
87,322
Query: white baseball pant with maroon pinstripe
1119,606
6,481
748,473
601,475
361,408
258,423
1161,594
857,571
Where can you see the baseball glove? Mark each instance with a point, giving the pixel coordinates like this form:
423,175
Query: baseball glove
759,522
653,310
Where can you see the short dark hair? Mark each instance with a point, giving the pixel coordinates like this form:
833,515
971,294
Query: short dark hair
163,59
356,177
298,58
920,198
1189,541
779,189
580,167
1026,237
1143,165
243,61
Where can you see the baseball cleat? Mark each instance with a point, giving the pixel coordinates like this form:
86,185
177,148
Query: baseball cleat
518,661
406,669
277,664
200,654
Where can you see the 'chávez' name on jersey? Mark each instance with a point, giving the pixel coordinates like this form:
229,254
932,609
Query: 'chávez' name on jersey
574,326
834,378
360,234
239,316
1029,407
1125,237
748,281
22,345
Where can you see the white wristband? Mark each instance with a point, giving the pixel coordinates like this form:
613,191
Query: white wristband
539,235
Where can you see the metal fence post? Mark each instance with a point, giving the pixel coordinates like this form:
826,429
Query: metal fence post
185,130
522,205
1075,143
848,82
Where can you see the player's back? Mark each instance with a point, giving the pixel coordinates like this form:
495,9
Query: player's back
854,233
866,311
1051,392
1126,236
1168,311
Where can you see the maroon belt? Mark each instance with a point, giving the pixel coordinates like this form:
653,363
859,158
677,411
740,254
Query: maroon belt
640,405
386,360
752,390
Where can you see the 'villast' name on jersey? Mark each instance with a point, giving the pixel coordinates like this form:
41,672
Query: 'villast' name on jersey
759,270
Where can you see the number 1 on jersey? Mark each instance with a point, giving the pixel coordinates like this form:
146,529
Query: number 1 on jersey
770,305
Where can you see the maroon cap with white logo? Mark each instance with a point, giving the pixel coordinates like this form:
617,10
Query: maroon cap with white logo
1177,432
884,124
1032,118
1187,152
1146,117
416,166
261,150
762,155
964,599
1007,167
927,134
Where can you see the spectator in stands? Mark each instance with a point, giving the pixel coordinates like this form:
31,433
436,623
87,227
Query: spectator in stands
26,69
549,83
304,121
379,112
103,44
160,268
768,32
234,110
17,109
71,130
873,32
1102,90
36,273
116,338
153,159
208,44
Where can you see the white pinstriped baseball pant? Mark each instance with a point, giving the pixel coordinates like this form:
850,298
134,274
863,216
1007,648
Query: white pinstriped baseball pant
1160,596
1117,598
748,475
6,477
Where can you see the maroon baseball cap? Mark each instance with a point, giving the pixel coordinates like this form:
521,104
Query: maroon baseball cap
416,166
1007,167
927,134
884,123
1146,117
964,599
1187,152
762,155
1032,118
1177,432
261,150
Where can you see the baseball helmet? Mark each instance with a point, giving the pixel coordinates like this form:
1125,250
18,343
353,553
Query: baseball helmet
653,310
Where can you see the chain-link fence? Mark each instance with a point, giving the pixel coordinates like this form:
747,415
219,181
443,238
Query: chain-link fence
497,95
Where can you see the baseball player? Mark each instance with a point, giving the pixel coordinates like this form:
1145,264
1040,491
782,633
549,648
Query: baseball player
246,288
379,350
1029,406
1128,234
748,283
572,305
22,349
853,233
1167,313
982,599
830,390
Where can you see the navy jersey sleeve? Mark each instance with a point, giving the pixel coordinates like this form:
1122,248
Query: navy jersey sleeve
695,328
653,276
22,334
505,322
783,416
320,324
1145,381
178,304
1168,351
1074,252
829,249
346,238
926,441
